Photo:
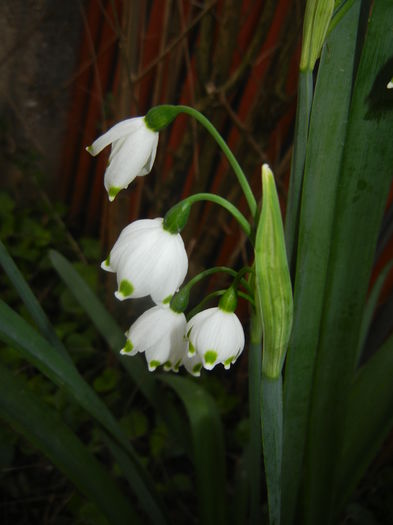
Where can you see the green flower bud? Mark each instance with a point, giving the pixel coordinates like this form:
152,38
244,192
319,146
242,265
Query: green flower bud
176,218
316,23
273,285
160,117
228,301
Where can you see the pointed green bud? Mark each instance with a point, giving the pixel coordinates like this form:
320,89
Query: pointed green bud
160,117
176,218
228,301
316,23
273,285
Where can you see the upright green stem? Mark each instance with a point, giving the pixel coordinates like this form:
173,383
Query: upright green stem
254,393
272,426
305,95
227,152
197,197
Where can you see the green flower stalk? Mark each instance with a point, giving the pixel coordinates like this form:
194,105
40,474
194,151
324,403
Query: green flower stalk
273,286
316,23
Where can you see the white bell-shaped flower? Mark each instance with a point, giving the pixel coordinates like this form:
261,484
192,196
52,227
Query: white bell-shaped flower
148,260
160,333
215,336
134,147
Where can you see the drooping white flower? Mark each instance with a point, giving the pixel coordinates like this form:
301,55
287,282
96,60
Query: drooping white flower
216,336
148,260
160,333
134,147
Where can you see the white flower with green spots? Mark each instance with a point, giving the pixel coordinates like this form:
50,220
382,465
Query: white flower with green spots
215,336
160,333
134,147
193,364
148,260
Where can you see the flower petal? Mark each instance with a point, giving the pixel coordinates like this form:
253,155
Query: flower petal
119,130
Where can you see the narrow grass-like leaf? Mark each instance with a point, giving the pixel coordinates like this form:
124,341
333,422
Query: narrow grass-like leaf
33,306
361,197
104,323
40,425
304,100
34,348
208,448
369,419
324,152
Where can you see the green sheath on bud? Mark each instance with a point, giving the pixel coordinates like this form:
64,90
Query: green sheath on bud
316,23
228,301
160,117
180,300
176,218
273,285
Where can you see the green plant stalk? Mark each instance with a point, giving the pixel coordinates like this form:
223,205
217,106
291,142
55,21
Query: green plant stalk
218,293
254,394
272,432
224,203
304,100
220,269
242,179
322,171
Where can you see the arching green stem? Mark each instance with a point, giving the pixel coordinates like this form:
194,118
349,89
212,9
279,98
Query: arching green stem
227,152
179,301
211,197
218,293
222,269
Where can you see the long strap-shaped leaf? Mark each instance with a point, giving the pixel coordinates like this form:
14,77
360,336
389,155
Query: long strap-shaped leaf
33,306
369,419
208,448
364,183
37,350
40,425
324,152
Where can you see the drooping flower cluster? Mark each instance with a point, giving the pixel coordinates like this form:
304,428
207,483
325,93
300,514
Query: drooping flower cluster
149,259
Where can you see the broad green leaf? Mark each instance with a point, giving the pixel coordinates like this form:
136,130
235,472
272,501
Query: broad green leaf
31,302
14,330
361,198
324,153
208,448
369,419
43,427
